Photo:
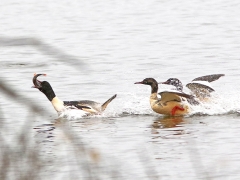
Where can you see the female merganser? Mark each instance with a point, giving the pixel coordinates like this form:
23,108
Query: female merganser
91,107
200,87
170,102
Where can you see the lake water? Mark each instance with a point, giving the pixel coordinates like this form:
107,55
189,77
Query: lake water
95,49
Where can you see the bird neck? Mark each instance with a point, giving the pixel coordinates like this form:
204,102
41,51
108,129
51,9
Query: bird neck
153,96
154,87
49,93
57,104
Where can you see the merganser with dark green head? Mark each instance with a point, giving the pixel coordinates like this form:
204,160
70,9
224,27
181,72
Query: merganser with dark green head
88,106
170,102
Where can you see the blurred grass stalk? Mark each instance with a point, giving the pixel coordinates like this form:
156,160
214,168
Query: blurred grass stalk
23,158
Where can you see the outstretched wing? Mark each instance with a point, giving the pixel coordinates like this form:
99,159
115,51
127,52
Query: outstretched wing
200,86
209,78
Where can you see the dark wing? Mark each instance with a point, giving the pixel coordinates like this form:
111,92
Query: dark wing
75,104
209,78
193,101
194,86
173,95
85,105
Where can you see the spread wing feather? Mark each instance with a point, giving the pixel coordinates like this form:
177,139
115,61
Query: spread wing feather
209,78
193,86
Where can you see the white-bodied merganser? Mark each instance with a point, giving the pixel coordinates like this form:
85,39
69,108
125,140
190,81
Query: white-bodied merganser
200,87
91,107
170,102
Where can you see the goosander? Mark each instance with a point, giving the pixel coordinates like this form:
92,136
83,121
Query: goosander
90,107
170,102
200,87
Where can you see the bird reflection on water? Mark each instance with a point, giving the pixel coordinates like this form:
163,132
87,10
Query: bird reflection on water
170,125
167,122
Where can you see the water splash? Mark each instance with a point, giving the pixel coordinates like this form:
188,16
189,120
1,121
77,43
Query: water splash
138,104
73,114
219,104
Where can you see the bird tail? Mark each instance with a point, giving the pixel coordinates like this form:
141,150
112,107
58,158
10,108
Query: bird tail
104,105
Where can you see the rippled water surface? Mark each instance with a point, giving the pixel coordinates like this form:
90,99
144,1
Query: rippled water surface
95,49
